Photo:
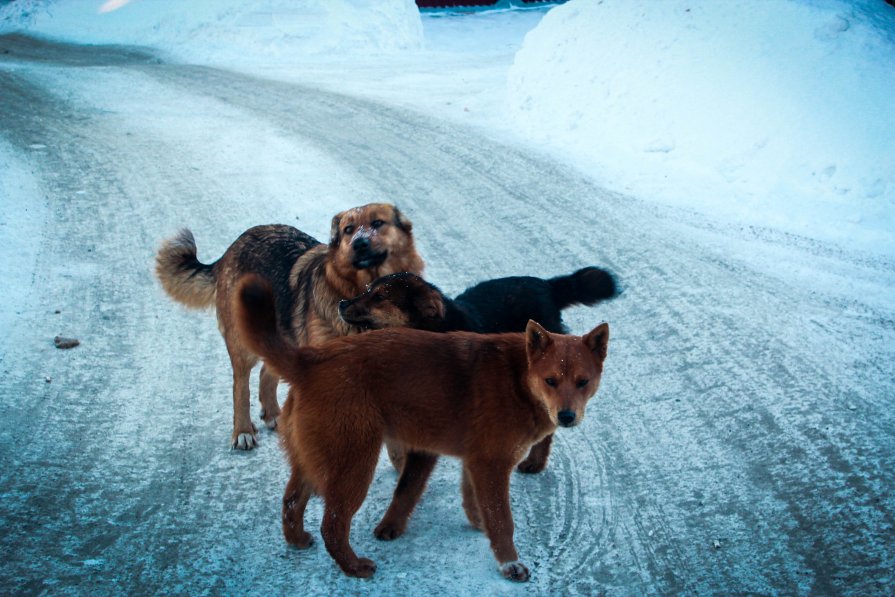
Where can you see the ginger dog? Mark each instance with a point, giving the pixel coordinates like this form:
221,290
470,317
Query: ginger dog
483,398
490,307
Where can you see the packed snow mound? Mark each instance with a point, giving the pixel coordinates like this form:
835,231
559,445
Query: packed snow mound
778,113
227,31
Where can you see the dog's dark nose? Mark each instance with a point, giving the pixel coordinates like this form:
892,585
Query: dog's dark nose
566,417
361,244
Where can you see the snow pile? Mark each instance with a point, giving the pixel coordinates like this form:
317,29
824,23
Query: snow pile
227,31
777,113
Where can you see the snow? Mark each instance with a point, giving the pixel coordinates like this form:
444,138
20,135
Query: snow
20,226
229,31
768,119
776,116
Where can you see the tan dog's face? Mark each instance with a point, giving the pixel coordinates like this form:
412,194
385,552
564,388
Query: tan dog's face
396,300
564,371
365,237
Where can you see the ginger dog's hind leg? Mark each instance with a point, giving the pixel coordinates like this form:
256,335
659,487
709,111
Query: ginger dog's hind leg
295,500
347,482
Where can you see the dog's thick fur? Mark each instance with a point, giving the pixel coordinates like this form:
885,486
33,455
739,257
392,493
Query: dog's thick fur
308,278
500,305
483,398
490,307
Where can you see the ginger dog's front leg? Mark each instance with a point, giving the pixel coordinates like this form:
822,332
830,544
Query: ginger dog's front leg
470,505
491,485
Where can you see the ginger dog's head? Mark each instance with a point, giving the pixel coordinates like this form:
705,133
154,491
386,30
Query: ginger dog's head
564,371
396,300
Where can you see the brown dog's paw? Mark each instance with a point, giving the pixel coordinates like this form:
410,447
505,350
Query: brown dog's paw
475,521
515,571
362,568
530,466
244,441
270,420
388,531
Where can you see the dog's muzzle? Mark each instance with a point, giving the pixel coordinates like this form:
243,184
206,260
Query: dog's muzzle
567,418
364,255
344,307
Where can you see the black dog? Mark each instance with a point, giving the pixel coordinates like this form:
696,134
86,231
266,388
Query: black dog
490,307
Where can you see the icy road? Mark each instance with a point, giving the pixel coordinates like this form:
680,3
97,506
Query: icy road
743,439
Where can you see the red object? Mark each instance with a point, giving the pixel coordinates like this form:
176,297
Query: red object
453,3
474,3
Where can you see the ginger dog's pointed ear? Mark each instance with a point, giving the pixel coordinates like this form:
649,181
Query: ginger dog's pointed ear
402,221
537,340
597,340
335,230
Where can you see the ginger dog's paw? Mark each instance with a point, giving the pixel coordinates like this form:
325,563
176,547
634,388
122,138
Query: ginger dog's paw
362,568
515,571
244,441
388,531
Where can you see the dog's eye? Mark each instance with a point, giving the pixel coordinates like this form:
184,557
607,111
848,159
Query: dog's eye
550,381
581,383
348,230
378,298
378,223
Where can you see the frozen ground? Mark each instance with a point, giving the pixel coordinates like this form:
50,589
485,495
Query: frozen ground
742,440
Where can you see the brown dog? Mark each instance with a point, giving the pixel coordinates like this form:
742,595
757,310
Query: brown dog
309,279
490,307
483,398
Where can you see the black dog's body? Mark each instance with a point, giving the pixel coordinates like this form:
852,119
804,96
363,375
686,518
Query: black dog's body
494,306
490,307
506,304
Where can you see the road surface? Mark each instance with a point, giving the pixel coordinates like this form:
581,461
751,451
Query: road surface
743,439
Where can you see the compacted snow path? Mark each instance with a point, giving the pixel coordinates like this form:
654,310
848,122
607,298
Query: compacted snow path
742,440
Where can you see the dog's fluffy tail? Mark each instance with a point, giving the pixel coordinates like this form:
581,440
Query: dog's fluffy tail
256,321
587,286
182,275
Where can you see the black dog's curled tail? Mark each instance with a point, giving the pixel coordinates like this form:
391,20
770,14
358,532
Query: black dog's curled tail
256,319
587,286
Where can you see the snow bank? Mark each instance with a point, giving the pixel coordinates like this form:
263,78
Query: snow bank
777,113
227,31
